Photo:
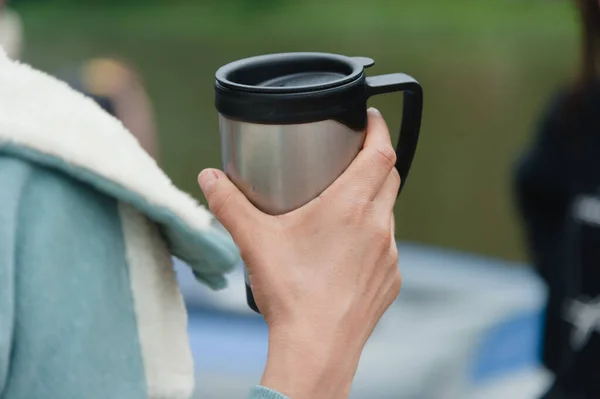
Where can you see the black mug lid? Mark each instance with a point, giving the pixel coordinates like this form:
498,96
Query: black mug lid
289,72
293,88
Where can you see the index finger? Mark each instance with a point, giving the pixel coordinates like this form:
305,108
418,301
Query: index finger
370,169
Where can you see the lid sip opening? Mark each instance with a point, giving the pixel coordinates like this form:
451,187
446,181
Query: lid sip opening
297,80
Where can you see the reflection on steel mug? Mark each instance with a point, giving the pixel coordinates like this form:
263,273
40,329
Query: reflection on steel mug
291,123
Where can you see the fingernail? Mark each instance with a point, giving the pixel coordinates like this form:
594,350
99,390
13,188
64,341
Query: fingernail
374,111
207,180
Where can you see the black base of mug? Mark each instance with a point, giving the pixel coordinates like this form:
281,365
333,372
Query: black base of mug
250,299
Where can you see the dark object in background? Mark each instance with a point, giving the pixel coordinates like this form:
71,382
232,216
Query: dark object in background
558,196
312,112
117,87
106,103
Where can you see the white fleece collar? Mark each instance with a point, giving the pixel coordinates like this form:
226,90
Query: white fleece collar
72,127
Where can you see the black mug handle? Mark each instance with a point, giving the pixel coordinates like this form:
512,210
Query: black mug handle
411,115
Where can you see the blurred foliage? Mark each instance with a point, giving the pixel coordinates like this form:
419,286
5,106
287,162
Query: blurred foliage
487,67
251,6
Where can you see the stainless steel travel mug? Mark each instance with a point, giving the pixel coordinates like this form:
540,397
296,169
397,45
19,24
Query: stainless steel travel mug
291,123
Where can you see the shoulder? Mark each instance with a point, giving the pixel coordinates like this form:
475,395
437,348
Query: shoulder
550,121
38,188
48,123
40,206
571,111
30,191
549,134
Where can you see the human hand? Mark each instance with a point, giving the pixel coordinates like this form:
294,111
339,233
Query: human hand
324,274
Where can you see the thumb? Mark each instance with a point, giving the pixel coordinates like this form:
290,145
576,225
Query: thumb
231,208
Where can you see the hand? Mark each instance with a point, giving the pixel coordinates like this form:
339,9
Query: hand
322,275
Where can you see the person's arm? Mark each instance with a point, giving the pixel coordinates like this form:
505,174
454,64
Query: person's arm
321,275
306,366
312,366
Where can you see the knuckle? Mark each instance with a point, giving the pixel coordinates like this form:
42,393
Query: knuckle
383,234
385,155
357,211
354,218
219,205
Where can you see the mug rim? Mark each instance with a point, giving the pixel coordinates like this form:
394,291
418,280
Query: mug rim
322,62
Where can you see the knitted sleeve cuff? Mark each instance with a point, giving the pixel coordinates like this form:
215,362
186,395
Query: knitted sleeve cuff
260,392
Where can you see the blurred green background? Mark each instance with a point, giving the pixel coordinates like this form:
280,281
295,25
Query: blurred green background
487,68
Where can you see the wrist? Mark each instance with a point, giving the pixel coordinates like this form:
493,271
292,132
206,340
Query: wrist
301,364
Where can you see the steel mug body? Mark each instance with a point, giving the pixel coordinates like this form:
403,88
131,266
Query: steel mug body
282,167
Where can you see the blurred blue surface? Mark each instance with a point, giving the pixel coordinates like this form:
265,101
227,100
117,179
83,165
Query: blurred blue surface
229,343
462,320
509,346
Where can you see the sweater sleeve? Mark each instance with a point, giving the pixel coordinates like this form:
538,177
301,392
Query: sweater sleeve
13,178
260,392
67,320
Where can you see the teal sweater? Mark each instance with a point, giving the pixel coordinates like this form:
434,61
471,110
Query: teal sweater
89,304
